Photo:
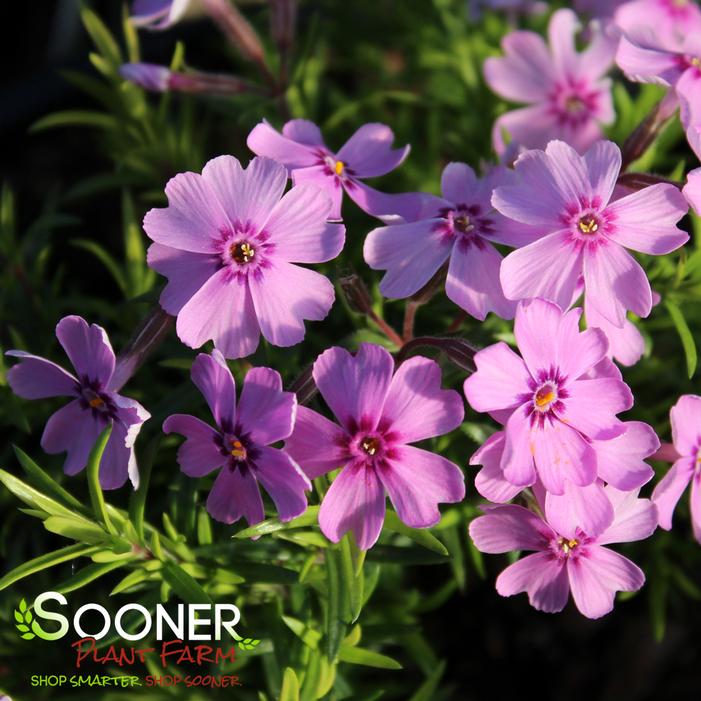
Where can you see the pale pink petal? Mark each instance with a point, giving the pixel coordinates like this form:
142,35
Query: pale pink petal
211,375
303,132
529,127
222,310
562,454
299,230
542,576
186,273
646,61
695,503
626,344
562,29
537,332
116,458
247,196
88,349
265,412
597,58
587,508
509,527
369,151
634,518
500,380
692,190
320,177
416,407
490,481
199,454
670,488
685,416
235,493
615,283
645,220
525,73
355,387
519,449
592,405
286,295
194,218
621,459
410,253
266,141
579,352
417,481
283,480
317,445
390,207
37,378
354,502
473,280
596,576
459,183
603,162
548,268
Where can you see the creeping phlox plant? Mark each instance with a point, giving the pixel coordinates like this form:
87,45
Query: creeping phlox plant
539,254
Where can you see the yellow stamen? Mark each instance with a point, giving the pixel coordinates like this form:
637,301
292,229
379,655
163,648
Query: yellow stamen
96,403
588,226
242,252
568,545
237,449
695,62
544,396
370,445
340,165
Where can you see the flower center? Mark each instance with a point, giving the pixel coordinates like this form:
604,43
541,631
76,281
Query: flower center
370,445
567,545
588,224
695,61
339,167
464,224
237,450
94,400
545,396
242,252
574,104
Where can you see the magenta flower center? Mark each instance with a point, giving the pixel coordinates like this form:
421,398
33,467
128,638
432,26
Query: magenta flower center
370,444
466,222
236,449
242,252
588,224
463,224
574,102
567,546
545,396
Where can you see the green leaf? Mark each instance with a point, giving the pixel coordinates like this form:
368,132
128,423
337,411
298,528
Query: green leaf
77,529
23,605
19,617
427,691
368,658
133,579
290,686
28,636
86,575
303,631
101,37
271,525
45,561
74,118
93,474
419,535
335,630
137,501
685,335
22,627
184,585
46,482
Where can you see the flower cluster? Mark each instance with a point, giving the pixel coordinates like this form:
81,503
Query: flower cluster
554,223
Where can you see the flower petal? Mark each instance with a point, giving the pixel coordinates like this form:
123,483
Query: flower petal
685,416
355,387
670,488
284,295
211,375
88,348
634,519
354,502
509,527
37,378
390,207
282,478
587,508
288,150
603,163
265,412
537,331
490,481
235,493
517,460
200,453
116,459
317,445
410,253
303,132
417,481
416,407
369,152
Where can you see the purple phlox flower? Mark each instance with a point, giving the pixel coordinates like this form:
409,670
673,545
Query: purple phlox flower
367,154
149,76
566,91
380,412
692,189
74,428
689,93
626,343
551,409
620,463
565,557
227,243
159,14
685,417
525,7
241,443
462,227
669,19
586,233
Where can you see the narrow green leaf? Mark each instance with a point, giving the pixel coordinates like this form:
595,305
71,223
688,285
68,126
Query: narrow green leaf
80,530
133,579
46,482
419,535
335,630
101,36
74,118
359,655
271,525
70,552
685,335
84,576
427,691
93,474
185,586
303,631
137,501
290,686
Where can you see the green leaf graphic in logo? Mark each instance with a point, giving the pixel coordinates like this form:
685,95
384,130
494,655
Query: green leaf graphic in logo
24,619
248,643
